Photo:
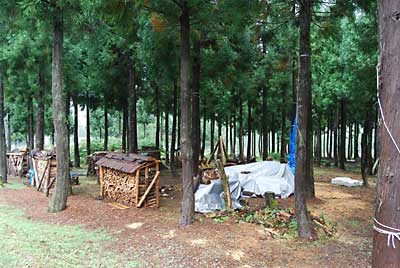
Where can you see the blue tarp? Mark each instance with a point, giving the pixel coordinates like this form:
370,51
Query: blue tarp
292,147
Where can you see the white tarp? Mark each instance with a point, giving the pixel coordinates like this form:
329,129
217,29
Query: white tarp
344,181
257,178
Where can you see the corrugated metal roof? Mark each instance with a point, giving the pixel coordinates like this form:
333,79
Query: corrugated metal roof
127,163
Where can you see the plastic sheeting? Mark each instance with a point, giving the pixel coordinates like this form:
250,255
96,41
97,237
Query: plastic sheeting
257,178
292,147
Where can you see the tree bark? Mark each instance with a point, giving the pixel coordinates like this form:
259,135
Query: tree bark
273,141
342,146
105,148
88,149
318,142
303,136
187,212
173,134
3,149
350,141
388,198
283,127
241,149
31,139
124,127
356,137
212,130
196,107
9,132
264,124
58,200
40,112
335,138
249,123
203,140
157,117
166,125
77,160
133,144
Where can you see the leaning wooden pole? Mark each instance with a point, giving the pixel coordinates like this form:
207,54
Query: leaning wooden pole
387,214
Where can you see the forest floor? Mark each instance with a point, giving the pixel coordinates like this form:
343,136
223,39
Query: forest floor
90,233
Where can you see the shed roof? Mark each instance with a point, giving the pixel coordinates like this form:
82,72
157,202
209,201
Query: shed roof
127,163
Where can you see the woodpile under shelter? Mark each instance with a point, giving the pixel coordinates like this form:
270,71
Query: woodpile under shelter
45,170
92,159
18,163
130,179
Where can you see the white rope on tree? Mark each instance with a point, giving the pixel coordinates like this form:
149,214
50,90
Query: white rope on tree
392,233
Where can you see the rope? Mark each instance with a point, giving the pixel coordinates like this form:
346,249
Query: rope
392,233
383,116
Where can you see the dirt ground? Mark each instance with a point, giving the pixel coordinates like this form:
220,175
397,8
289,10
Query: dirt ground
156,240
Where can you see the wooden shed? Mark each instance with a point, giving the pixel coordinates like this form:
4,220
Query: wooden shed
18,163
45,169
130,179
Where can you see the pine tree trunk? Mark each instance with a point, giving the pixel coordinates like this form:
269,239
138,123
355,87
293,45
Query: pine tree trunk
387,209
203,140
196,107
9,132
40,112
132,144
77,160
187,211
294,68
173,134
157,96
249,123
342,147
370,143
212,128
3,149
234,135
105,147
88,149
356,140
335,138
231,135
227,135
166,133
264,124
241,149
124,127
330,133
303,136
318,149
273,140
283,128
31,139
350,141
58,200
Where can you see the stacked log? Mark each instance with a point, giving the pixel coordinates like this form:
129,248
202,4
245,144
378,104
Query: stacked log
119,186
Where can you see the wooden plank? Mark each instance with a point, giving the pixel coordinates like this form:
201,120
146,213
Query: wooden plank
117,205
225,185
137,190
101,176
155,179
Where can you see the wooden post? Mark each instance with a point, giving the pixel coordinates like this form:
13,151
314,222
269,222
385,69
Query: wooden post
225,185
137,178
101,178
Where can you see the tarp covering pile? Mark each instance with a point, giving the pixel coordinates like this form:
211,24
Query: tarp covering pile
257,178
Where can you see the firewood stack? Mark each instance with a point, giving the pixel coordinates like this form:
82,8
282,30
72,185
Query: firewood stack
129,179
45,169
18,163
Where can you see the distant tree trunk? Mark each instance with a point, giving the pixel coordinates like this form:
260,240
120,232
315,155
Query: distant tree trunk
40,112
219,127
273,141
342,147
241,149
294,63
58,200
196,107
388,182
187,211
166,137
9,132
231,135
157,117
364,148
264,123
350,141
88,149
203,140
254,143
369,141
335,138
249,123
77,160
133,144
212,129
124,127
330,133
356,137
283,127
3,149
227,134
234,136
173,134
31,139
303,136
179,127
105,148
318,143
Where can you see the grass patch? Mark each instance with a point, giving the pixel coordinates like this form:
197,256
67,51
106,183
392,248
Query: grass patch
26,243
14,184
